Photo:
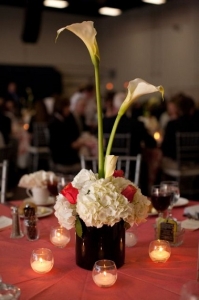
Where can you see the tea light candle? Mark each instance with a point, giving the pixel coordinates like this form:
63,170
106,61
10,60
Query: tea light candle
159,254
104,279
159,251
59,237
41,266
104,273
41,260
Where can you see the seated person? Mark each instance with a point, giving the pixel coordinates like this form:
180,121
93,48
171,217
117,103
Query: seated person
186,122
64,138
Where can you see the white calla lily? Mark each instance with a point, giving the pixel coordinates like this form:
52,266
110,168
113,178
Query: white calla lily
136,88
87,33
110,165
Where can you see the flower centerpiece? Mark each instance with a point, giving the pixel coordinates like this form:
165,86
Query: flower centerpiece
100,206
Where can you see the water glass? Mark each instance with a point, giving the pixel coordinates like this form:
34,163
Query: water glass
190,291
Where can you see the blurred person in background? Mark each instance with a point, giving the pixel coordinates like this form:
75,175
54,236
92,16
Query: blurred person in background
187,121
88,93
65,141
171,113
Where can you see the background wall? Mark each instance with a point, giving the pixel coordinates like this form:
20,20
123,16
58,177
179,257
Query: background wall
158,43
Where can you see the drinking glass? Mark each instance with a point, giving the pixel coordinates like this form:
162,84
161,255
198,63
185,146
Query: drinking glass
190,291
173,187
160,198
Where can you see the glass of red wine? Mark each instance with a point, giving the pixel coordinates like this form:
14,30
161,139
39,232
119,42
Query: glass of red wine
160,199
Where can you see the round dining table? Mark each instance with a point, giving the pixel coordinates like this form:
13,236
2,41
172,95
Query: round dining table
139,278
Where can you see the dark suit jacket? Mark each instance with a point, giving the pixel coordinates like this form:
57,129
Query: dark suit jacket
5,127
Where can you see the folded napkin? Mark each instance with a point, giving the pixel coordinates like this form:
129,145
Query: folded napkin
5,222
192,212
37,179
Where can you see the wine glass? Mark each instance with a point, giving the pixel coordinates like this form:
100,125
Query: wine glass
160,198
173,187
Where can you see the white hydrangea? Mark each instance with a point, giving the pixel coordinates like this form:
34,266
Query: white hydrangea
100,202
65,212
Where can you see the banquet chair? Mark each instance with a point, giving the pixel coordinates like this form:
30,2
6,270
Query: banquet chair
3,180
123,163
187,171
121,144
39,148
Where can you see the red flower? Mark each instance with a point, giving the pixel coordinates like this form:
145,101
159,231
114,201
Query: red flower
118,173
129,192
70,193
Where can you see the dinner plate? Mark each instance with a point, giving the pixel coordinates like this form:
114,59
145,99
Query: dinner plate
42,211
181,202
50,201
5,222
190,224
153,212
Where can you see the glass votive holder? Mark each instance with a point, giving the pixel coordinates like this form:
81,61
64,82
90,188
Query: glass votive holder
9,291
41,260
190,291
59,236
159,251
131,237
104,273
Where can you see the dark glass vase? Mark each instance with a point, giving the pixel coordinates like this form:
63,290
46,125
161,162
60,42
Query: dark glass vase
100,243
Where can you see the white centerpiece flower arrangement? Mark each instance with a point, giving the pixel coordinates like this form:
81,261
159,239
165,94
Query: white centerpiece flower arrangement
107,197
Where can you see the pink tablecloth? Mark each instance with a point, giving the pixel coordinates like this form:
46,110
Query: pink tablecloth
139,278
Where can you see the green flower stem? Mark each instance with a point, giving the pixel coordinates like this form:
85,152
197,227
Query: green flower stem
100,124
112,135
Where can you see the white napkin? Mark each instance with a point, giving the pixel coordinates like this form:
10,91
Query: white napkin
192,211
5,222
37,179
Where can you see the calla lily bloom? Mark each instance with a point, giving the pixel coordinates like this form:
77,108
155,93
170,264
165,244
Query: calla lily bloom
110,165
136,88
87,33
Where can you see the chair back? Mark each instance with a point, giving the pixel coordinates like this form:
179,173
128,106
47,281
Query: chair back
3,180
40,135
123,163
39,148
187,146
121,143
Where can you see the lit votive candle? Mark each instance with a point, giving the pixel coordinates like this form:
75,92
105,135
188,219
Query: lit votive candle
104,273
59,236
41,260
159,251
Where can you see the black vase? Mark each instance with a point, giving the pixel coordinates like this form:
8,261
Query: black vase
100,243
